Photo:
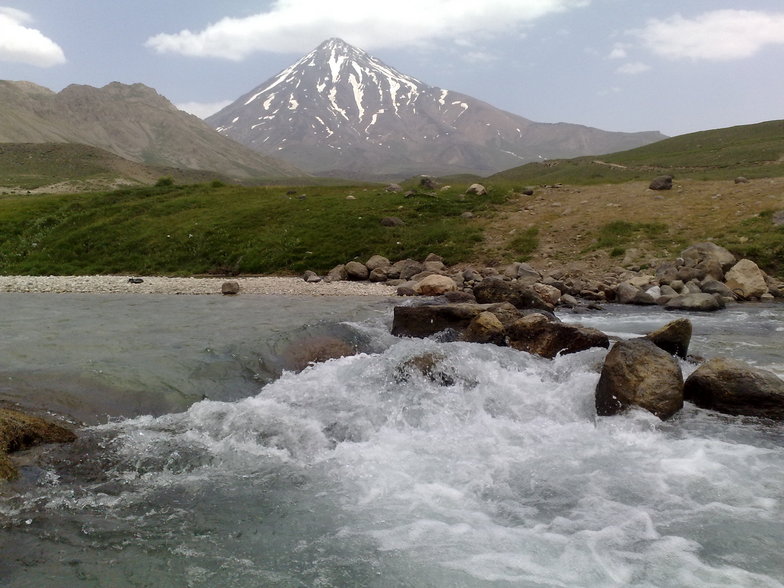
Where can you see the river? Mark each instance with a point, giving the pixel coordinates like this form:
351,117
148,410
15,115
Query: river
204,461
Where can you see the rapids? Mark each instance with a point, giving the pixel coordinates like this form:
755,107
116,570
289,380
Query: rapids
491,470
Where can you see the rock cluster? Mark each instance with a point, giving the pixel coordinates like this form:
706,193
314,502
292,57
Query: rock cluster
522,327
643,372
704,278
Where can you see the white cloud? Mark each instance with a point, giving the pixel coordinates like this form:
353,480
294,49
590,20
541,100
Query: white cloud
203,109
618,51
22,44
293,26
721,35
633,68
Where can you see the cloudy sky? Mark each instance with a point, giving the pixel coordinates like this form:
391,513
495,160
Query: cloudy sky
624,65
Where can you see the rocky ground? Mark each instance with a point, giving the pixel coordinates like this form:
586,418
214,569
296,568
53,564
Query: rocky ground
568,217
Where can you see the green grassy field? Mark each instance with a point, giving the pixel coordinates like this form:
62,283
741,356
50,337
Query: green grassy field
189,229
213,228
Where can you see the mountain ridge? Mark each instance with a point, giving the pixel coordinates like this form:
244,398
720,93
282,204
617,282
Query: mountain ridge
340,111
131,121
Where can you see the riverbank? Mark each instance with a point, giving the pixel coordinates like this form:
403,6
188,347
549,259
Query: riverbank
284,286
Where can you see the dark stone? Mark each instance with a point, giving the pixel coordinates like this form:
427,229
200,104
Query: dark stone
485,328
337,274
700,252
357,271
459,296
315,349
230,288
716,287
427,183
667,272
377,261
521,296
696,302
426,320
637,373
20,431
405,269
674,337
311,277
392,221
430,365
661,183
629,294
378,274
538,335
734,387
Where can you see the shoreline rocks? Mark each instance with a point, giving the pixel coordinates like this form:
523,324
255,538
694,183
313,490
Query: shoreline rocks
705,278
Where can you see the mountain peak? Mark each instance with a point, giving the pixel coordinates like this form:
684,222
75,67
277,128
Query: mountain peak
338,110
335,43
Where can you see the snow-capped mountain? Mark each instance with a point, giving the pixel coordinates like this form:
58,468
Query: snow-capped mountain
339,111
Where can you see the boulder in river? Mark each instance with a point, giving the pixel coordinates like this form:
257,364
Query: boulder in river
21,431
699,302
638,373
735,387
538,335
674,337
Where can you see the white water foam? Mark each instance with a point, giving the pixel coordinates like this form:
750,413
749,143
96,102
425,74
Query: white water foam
427,464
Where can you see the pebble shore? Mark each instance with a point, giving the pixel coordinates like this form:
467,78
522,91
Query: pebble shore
285,286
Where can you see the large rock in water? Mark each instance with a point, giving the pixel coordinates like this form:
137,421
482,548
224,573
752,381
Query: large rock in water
674,337
20,431
734,387
486,327
638,373
538,335
426,320
497,290
697,302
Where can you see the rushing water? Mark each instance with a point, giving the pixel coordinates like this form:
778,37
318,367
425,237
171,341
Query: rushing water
492,469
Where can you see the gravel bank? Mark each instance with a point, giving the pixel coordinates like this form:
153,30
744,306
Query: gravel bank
161,285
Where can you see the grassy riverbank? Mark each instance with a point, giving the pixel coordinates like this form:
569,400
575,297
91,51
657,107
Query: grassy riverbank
213,228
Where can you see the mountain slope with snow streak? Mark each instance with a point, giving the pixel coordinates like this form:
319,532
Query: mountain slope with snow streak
339,111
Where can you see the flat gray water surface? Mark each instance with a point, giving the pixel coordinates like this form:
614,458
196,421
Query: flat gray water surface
98,356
